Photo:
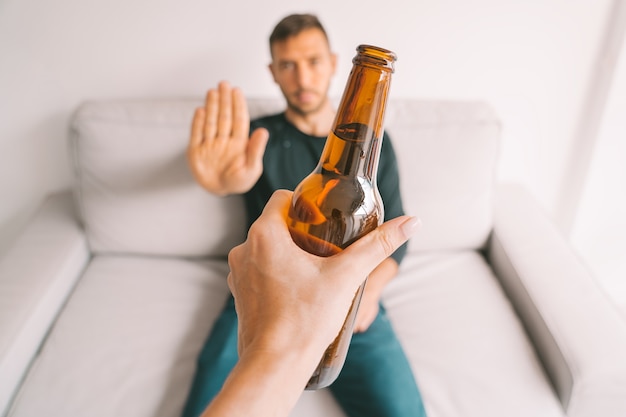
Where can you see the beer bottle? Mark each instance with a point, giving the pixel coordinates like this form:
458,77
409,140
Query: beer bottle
339,201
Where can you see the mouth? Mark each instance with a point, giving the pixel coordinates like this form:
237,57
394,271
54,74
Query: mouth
305,96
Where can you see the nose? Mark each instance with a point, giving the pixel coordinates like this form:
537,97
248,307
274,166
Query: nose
303,75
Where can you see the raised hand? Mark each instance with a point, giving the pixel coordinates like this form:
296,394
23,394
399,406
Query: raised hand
222,158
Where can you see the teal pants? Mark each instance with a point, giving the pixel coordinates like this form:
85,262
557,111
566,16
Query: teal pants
376,380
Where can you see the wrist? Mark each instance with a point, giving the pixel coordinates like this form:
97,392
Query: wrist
264,382
296,359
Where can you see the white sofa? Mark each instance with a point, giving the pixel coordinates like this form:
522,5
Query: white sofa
110,291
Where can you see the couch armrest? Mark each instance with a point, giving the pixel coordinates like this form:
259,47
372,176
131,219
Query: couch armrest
37,273
577,332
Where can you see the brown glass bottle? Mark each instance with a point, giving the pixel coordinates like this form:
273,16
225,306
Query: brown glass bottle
339,201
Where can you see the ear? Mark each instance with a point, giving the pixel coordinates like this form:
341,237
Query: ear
270,66
333,62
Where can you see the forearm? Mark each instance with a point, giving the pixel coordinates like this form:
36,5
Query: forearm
264,384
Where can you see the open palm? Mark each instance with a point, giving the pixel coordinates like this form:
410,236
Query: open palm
222,158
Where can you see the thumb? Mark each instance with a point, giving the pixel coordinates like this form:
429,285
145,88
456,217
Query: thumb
368,252
256,146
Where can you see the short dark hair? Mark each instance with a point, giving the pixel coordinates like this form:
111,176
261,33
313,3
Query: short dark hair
292,25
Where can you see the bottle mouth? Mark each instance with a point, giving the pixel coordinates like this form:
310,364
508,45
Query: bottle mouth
375,55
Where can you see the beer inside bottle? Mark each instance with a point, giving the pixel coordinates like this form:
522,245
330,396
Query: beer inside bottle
339,201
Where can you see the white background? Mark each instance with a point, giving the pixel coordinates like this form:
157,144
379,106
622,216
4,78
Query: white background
532,60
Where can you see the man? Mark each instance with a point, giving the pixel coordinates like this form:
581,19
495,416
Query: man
376,379
280,343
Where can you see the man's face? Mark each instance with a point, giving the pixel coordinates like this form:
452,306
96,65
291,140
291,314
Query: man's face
302,66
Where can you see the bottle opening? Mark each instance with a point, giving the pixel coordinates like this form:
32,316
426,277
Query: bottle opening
375,55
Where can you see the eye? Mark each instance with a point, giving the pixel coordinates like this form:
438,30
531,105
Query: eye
286,66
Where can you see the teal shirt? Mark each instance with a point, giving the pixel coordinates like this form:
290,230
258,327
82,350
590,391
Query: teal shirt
291,155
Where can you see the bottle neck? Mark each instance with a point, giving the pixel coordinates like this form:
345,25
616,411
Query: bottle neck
353,146
365,98
351,150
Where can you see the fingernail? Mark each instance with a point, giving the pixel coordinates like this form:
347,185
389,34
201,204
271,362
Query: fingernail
411,226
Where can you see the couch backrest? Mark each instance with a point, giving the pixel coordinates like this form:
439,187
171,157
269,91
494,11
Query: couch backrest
447,152
136,195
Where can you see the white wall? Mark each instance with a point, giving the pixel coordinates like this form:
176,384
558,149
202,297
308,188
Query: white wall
599,232
530,59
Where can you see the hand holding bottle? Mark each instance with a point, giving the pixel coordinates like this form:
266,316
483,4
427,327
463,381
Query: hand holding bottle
289,300
290,306
222,158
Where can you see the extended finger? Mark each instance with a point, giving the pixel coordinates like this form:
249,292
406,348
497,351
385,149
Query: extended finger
241,117
197,127
256,147
211,113
225,115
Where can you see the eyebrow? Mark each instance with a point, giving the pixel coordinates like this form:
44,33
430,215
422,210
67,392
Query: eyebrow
308,58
